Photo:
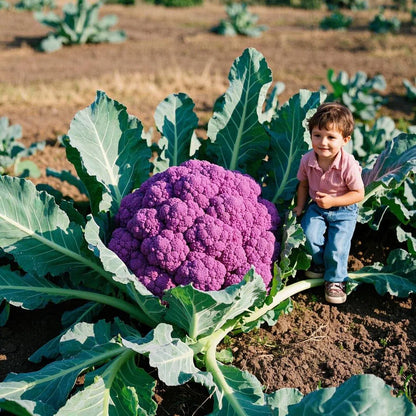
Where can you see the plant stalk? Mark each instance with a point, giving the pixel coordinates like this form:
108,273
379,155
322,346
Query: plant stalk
114,302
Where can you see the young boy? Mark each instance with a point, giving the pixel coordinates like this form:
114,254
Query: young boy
331,177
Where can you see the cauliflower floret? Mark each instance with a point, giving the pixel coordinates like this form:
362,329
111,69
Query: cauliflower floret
199,224
166,250
124,244
144,223
202,270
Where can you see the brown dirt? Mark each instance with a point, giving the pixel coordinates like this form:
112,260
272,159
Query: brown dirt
317,345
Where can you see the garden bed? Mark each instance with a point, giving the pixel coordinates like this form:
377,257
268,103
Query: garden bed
316,345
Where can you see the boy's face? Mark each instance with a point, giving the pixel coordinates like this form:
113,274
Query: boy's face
327,142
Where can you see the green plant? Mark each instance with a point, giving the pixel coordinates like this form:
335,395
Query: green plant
12,151
359,93
336,21
410,89
347,4
407,388
4,5
381,24
239,22
60,254
35,5
400,198
311,4
179,3
384,342
80,24
124,2
366,144
370,141
278,2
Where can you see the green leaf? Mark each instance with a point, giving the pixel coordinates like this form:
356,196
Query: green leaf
51,43
171,356
238,393
392,165
176,121
150,310
201,313
34,292
292,257
84,336
397,277
289,141
28,292
51,349
281,399
26,168
407,237
361,395
86,346
4,312
53,383
388,182
38,233
26,408
119,388
111,151
236,136
67,176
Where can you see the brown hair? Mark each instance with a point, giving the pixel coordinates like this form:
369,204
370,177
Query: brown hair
333,115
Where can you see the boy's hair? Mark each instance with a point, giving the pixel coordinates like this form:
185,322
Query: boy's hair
334,115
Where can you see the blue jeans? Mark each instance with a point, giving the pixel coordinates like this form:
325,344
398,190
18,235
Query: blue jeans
328,238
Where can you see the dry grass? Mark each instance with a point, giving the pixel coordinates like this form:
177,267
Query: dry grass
132,88
140,93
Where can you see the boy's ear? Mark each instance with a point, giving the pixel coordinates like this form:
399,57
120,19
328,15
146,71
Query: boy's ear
347,139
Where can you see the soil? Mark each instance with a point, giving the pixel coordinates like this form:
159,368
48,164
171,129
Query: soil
316,345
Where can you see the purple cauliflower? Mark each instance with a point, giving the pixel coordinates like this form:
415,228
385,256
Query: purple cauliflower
196,223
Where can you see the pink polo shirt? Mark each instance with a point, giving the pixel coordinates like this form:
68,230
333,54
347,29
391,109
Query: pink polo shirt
343,175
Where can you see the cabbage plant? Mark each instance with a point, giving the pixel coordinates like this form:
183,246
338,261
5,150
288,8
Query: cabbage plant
62,254
335,21
35,5
12,151
80,24
382,24
410,89
240,21
359,93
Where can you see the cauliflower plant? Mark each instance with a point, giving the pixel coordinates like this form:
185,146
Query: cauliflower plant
196,223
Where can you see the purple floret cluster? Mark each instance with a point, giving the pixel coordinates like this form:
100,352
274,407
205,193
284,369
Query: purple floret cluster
196,223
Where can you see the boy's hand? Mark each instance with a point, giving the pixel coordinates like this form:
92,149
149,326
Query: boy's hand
324,200
297,210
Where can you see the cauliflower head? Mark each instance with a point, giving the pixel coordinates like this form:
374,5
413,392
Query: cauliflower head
199,224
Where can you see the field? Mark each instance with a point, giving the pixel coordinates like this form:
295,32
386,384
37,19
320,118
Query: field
173,50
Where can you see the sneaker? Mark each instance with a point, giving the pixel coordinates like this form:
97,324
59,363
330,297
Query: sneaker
315,271
335,292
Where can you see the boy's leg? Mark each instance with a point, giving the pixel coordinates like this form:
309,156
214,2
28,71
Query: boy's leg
341,226
314,227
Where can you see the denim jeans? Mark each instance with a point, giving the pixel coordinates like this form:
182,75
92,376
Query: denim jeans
328,238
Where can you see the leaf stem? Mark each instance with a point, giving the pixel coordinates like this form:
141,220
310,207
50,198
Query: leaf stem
213,368
215,338
282,295
114,302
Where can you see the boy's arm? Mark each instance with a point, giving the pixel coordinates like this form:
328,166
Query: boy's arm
302,196
327,201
